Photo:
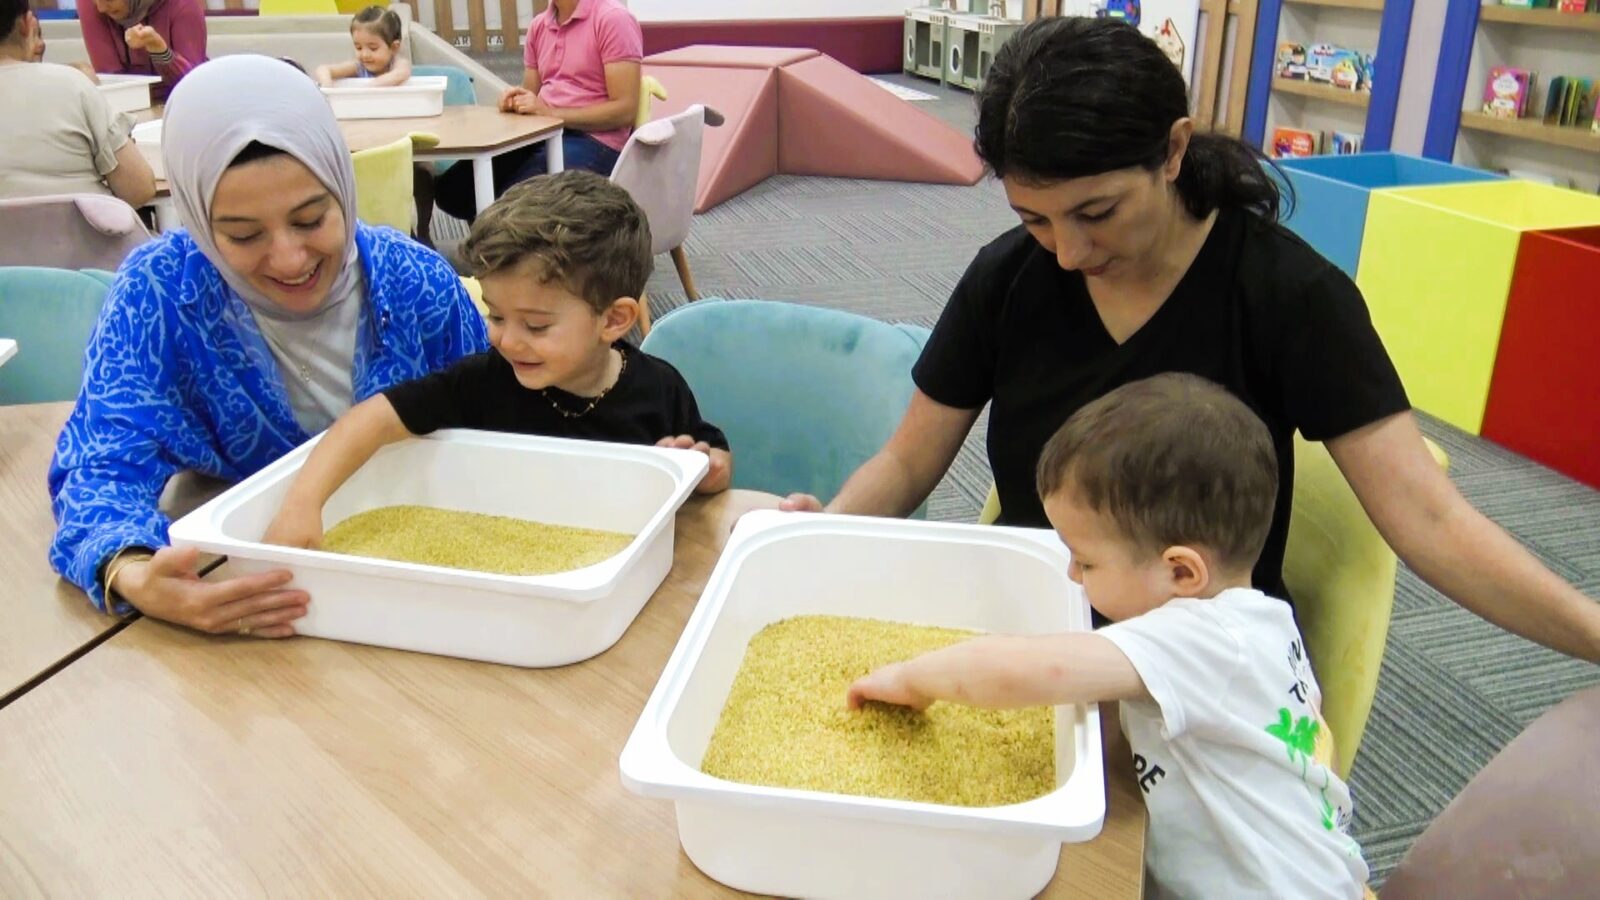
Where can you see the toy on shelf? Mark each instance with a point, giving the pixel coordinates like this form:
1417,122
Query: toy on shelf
1293,142
1327,64
1505,95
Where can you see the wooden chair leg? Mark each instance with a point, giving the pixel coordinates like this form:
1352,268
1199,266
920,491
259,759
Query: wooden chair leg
681,260
644,316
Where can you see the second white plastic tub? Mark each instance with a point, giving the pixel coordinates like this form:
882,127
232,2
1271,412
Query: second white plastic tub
356,98
798,843
127,93
539,620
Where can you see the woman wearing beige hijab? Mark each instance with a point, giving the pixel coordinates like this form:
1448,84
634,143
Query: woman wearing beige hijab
227,343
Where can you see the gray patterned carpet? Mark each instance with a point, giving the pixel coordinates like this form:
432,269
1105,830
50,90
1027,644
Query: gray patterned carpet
1453,689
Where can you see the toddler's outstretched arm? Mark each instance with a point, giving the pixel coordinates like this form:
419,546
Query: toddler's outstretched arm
1005,672
399,71
326,75
371,425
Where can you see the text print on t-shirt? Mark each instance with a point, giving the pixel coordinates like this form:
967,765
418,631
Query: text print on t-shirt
1149,773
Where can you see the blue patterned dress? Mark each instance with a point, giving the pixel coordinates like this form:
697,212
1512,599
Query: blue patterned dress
178,377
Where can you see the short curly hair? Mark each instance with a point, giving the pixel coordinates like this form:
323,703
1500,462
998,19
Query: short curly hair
575,229
1174,460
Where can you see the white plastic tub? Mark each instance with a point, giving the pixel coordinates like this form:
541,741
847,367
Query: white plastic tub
798,843
541,620
127,93
148,134
356,98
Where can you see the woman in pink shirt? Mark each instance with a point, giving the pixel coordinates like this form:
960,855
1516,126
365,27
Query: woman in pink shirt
145,37
582,59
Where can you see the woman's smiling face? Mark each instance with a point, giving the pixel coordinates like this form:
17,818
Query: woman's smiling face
281,229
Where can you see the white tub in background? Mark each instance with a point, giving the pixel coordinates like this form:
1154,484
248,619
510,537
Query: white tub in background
418,96
799,843
127,93
536,620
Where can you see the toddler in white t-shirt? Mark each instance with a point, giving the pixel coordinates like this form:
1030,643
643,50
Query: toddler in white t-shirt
1164,489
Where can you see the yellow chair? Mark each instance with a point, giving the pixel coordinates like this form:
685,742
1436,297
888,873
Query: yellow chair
384,180
475,291
299,8
1341,574
649,91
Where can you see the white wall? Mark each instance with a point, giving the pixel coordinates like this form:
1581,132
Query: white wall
719,10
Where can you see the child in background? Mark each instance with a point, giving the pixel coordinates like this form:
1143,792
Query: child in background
1164,490
562,260
375,31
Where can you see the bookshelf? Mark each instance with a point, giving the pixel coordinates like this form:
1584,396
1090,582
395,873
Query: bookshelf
1367,26
1546,41
1325,92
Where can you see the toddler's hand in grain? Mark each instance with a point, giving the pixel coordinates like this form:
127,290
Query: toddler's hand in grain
886,685
295,526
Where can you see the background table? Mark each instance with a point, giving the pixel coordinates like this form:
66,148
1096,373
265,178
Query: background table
42,619
474,133
165,759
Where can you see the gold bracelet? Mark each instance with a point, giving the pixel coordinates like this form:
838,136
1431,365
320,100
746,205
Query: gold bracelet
115,567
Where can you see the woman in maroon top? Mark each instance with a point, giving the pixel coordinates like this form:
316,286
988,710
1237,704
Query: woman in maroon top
146,37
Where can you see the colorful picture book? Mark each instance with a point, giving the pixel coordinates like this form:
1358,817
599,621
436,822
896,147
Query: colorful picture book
1506,92
1288,142
1569,101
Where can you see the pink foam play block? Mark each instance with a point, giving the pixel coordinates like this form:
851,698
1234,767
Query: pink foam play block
741,153
731,57
834,121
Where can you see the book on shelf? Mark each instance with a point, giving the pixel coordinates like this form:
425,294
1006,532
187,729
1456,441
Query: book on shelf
1506,92
1294,142
1341,143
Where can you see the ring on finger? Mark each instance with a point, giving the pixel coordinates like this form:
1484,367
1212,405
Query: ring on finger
242,628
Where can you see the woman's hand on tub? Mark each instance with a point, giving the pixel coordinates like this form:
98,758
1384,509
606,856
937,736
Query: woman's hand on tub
168,587
719,476
295,525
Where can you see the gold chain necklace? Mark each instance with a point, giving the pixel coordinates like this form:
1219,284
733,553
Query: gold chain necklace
569,414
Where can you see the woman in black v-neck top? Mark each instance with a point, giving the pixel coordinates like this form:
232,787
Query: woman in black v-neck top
1147,248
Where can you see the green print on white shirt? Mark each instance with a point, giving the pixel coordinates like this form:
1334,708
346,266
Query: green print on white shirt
1299,736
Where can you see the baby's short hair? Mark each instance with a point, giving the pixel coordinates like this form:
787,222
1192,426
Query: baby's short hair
1173,460
575,229
385,23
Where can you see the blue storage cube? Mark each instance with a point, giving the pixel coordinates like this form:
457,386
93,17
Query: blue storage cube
1330,211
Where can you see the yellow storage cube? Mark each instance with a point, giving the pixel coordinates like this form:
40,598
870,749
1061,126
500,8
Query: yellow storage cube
1436,266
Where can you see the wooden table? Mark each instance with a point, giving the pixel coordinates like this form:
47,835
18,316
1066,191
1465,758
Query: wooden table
168,761
42,618
475,133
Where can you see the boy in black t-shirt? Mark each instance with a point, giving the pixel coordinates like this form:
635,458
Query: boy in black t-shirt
562,261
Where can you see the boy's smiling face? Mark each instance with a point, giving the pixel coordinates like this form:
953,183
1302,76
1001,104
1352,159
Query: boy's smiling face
550,336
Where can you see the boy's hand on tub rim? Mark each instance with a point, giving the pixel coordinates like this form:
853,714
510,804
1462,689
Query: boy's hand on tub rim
718,474
168,587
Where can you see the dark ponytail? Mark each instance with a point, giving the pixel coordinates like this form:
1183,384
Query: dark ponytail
12,12
1069,96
